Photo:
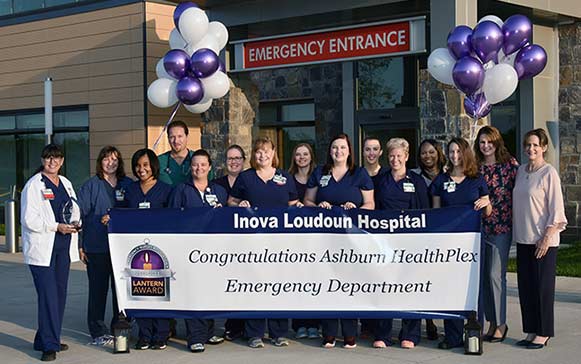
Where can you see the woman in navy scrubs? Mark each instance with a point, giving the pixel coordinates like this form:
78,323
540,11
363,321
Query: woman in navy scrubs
235,158
460,185
372,153
199,192
49,245
101,192
302,165
264,186
399,189
148,193
340,183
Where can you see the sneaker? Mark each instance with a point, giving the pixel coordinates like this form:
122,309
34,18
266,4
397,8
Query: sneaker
142,344
255,343
159,345
301,333
101,341
280,341
379,344
197,348
215,340
313,333
328,342
233,335
349,342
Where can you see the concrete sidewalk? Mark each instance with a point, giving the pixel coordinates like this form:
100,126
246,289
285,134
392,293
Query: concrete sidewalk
18,323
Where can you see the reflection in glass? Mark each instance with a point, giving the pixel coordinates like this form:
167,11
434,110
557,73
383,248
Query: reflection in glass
298,112
76,147
29,147
7,164
380,83
30,121
7,122
71,118
5,7
27,5
505,117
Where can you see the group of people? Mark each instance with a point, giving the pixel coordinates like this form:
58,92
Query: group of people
518,203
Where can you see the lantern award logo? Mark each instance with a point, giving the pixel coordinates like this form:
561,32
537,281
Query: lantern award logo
148,274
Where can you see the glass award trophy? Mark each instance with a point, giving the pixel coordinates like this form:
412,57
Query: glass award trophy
71,214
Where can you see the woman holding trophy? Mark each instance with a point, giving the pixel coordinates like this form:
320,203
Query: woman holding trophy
50,220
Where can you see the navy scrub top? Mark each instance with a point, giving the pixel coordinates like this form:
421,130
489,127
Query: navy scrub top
62,241
276,192
157,196
410,192
186,195
301,189
223,181
348,189
463,193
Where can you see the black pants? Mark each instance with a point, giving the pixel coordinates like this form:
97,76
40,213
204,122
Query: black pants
234,325
100,274
199,330
536,289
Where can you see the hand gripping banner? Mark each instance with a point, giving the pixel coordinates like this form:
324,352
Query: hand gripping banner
296,262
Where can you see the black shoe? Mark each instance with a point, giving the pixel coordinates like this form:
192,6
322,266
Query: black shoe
523,342
233,335
48,355
494,339
445,345
64,347
142,344
159,345
533,345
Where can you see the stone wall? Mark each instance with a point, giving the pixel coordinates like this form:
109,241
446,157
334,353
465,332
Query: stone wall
570,123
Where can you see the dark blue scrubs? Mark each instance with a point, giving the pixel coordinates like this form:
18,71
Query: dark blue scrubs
51,282
301,189
347,189
464,193
223,181
96,197
408,193
276,192
186,195
150,330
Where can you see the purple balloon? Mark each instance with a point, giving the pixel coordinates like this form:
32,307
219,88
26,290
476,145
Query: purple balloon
468,75
487,40
176,63
477,106
179,10
517,31
530,61
205,62
189,90
459,41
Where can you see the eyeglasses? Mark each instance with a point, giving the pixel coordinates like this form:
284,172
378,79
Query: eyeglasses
234,159
53,159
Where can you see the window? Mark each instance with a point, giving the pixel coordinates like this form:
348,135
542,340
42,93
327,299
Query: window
10,7
505,117
22,139
287,123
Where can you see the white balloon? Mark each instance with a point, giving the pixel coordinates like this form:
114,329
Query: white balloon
219,32
209,41
160,70
200,107
193,25
176,41
499,83
492,18
440,65
162,92
216,86
502,58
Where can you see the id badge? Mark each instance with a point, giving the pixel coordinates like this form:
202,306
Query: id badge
144,205
451,187
119,195
211,199
324,181
409,187
279,179
48,194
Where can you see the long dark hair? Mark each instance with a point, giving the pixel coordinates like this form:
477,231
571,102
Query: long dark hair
468,161
104,153
50,150
293,166
350,160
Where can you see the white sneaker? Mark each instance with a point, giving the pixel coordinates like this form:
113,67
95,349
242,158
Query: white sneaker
102,340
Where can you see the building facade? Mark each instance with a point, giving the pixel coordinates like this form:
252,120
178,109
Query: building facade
101,56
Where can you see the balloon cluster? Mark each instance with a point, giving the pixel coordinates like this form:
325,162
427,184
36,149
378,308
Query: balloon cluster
191,72
486,62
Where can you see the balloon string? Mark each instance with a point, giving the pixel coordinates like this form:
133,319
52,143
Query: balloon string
173,114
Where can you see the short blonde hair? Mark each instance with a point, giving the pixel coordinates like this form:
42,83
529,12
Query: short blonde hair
397,143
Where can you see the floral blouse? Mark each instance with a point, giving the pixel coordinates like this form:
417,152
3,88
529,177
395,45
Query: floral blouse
500,179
